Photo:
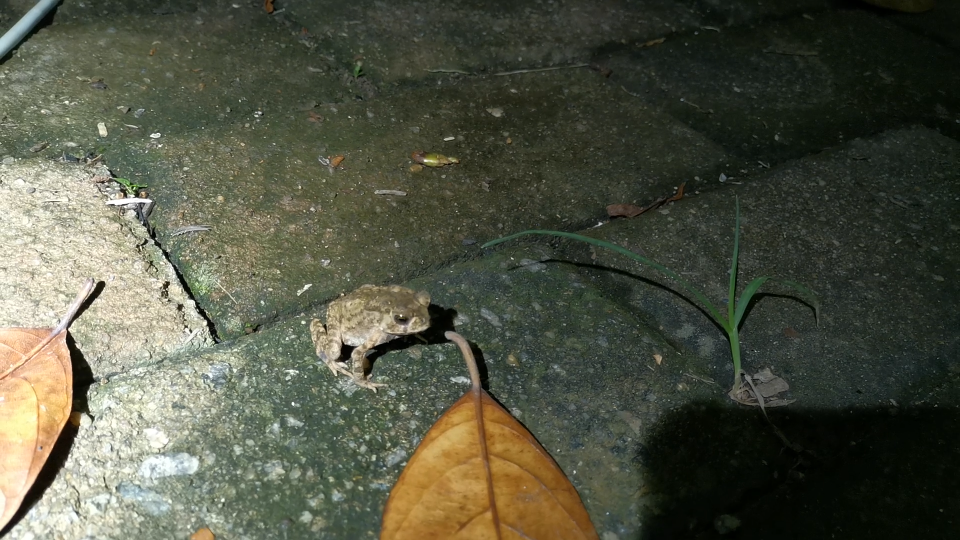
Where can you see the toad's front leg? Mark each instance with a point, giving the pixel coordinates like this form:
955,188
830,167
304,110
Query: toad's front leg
359,362
328,346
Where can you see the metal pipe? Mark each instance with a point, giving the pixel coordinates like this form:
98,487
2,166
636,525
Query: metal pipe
26,23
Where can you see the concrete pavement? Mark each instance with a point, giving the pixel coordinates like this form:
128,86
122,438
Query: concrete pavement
834,124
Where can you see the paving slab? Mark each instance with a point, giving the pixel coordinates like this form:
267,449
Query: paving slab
400,43
57,231
939,25
554,158
871,227
787,88
257,439
236,147
224,111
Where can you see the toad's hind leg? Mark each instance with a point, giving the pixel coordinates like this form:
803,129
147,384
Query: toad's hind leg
328,348
360,363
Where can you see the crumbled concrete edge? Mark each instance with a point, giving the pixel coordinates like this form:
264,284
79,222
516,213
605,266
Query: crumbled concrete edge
56,231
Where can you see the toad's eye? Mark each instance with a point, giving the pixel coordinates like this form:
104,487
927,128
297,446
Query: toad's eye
401,319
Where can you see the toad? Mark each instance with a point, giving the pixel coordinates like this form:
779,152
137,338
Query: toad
368,317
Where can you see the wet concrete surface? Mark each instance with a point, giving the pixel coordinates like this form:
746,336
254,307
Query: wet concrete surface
833,124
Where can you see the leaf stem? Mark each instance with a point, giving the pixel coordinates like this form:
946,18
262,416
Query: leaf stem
467,357
85,291
478,402
68,317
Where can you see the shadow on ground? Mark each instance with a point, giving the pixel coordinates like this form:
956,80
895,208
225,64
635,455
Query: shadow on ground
871,473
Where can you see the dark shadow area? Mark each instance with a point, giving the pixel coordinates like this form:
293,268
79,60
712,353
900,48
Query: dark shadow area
441,321
862,474
83,376
98,287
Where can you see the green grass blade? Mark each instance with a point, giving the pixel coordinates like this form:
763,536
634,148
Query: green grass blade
732,296
745,298
724,322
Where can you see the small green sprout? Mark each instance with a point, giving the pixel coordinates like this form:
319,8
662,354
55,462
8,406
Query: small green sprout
736,308
130,187
358,69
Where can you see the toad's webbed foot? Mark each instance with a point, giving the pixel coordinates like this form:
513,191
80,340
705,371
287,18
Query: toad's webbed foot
366,383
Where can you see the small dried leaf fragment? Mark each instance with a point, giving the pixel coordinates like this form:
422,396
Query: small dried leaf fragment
478,473
433,159
631,210
36,395
768,384
763,389
624,210
653,42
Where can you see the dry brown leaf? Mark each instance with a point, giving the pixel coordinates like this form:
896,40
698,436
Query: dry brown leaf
624,210
36,394
478,473
762,390
631,210
203,533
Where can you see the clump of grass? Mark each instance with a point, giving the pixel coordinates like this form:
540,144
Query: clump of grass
736,307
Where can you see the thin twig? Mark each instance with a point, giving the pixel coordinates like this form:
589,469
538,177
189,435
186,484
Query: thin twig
701,379
191,336
445,70
783,438
190,229
538,70
226,291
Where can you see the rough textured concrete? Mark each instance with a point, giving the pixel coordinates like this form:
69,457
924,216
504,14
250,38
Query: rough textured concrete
835,126
57,231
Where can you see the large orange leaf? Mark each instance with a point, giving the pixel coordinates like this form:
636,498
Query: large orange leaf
36,394
477,474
